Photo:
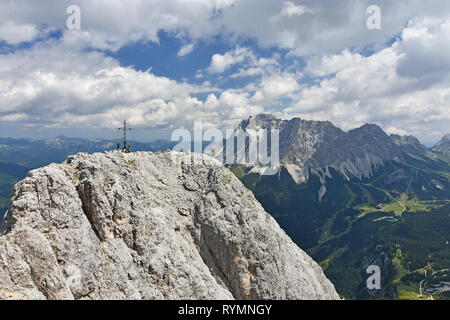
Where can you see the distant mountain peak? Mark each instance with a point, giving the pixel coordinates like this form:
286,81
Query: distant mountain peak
260,121
445,140
264,117
314,147
443,146
405,140
371,127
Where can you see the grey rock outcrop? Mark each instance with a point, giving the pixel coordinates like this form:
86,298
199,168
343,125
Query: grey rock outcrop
141,226
443,145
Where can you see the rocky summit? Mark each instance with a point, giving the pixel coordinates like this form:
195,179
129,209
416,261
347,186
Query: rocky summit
443,145
142,226
316,147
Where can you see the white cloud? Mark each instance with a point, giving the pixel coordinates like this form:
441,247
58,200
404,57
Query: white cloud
250,65
38,87
403,87
313,27
220,63
379,89
13,117
255,66
324,65
426,44
275,87
90,89
113,23
15,34
397,131
290,10
332,27
185,50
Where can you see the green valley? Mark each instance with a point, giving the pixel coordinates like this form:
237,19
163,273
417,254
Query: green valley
399,219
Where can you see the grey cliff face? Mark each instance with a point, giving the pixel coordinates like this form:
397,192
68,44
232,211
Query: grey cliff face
443,145
140,226
411,146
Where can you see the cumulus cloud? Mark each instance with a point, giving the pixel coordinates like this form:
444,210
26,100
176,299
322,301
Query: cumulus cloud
381,89
426,43
274,87
110,24
53,84
397,131
403,87
290,10
324,27
321,66
257,66
221,62
56,85
304,28
185,50
249,64
13,33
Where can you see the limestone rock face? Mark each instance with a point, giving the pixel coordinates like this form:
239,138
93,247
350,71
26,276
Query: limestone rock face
319,148
315,147
142,226
443,145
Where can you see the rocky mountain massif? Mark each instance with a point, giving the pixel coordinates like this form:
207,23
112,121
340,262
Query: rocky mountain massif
357,198
140,226
443,145
18,156
316,147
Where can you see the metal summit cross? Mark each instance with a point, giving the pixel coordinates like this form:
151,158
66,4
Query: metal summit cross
126,148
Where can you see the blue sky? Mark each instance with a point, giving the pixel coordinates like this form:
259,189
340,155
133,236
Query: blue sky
165,64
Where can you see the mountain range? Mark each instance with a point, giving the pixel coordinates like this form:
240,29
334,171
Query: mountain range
349,199
316,147
357,198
